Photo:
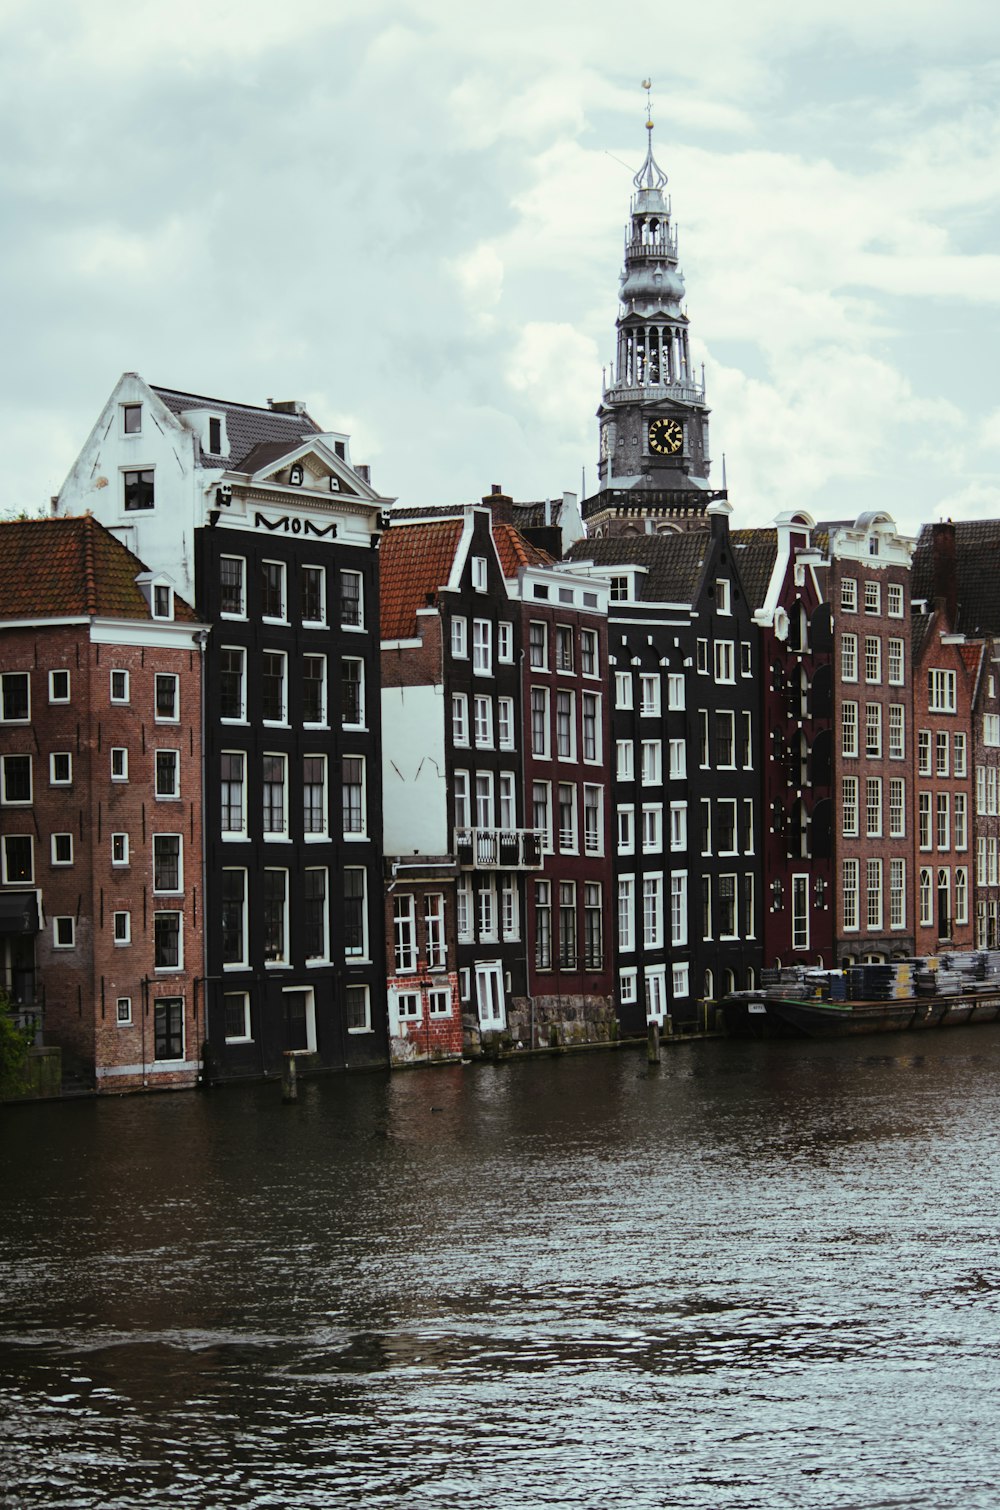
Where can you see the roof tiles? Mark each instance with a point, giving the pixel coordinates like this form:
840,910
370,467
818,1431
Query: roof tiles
247,425
414,561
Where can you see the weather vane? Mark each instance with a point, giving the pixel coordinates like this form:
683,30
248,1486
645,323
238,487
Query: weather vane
647,84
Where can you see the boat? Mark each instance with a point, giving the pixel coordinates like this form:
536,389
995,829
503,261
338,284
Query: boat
764,1015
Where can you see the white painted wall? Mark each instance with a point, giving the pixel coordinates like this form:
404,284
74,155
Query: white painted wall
414,789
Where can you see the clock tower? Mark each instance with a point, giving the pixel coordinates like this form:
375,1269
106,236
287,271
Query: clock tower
654,464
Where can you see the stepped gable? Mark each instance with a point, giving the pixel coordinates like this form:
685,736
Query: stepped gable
977,564
247,425
674,563
755,552
414,561
69,567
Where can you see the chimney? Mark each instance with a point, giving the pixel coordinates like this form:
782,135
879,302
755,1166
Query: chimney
500,504
286,405
945,565
364,472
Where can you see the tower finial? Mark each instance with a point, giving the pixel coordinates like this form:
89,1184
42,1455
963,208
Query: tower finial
650,175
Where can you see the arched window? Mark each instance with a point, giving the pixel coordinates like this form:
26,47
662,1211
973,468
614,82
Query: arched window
944,903
709,986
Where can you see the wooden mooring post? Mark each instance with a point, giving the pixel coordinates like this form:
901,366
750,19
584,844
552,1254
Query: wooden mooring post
289,1079
653,1042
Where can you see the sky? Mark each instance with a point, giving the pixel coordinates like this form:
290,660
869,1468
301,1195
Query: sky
411,216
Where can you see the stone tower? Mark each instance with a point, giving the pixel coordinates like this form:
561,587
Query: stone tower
654,464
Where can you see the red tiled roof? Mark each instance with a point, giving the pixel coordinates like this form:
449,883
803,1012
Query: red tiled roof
971,653
414,560
58,568
515,551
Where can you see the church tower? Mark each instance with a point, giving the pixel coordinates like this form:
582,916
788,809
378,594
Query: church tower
654,463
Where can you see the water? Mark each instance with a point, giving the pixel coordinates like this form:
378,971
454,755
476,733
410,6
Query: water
762,1275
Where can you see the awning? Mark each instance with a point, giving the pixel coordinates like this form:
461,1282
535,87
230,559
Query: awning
18,912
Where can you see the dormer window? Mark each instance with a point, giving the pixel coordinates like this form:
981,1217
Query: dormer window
215,435
296,475
340,449
163,602
132,419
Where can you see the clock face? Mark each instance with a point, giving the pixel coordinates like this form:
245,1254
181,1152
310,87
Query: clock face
666,436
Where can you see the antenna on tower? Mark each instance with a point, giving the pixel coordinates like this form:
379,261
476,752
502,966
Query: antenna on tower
723,471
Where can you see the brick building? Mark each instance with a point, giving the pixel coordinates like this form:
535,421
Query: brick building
102,904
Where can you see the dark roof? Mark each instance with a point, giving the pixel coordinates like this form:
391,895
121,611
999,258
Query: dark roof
977,564
755,552
673,562
247,425
71,567
529,516
919,630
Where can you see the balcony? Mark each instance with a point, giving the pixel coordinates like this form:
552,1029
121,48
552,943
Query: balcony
499,848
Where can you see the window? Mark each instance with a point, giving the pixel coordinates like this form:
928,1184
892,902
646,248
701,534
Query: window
873,730
484,799
407,1005
724,664
486,909
274,708
272,590
510,920
960,820
873,880
591,708
163,602
63,933
543,925
849,883
232,587
897,893
961,894
62,849
123,1011
439,1003
678,825
167,873
233,793
800,912
897,808
234,918
849,805
873,597
849,728
619,590
565,726
706,825
482,647
873,658
540,722
132,419
873,806
723,595
138,490
746,658
593,806
58,686
312,596
652,828
941,689
352,691
505,642
404,931
353,794
167,941
626,912
166,766
942,752
959,756
897,738
505,722
895,663
119,849
314,689
567,925
215,436
564,648
168,702
463,809
60,768
479,573
506,800
943,820
926,899
675,692
352,607
924,820
436,943
649,696
119,687
567,817
725,828
459,638
652,762
483,709
678,907
15,699
119,763
15,779
355,912
677,752
727,907
849,594
652,911
701,656
236,1016
624,757
991,729
588,652
463,915
460,719
626,830
894,594
623,691
357,1009
232,684
725,739
275,916
849,657
314,804
627,987
168,1028
274,773
924,752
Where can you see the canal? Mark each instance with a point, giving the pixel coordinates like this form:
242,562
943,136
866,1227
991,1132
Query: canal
764,1274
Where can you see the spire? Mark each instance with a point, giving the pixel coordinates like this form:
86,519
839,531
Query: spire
650,175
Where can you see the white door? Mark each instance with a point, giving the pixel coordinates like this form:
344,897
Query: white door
489,996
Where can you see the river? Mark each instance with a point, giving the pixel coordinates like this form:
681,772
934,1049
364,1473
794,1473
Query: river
761,1275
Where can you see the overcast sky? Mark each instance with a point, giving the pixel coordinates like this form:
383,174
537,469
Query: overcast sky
410,215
